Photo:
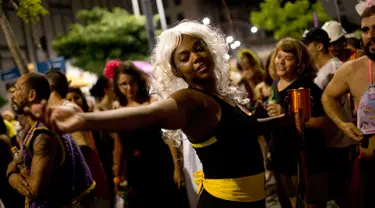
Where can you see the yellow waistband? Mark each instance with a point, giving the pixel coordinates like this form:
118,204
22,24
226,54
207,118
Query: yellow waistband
244,189
204,144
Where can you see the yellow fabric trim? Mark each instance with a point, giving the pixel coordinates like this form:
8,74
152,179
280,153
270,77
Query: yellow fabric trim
76,201
28,132
244,189
33,129
205,144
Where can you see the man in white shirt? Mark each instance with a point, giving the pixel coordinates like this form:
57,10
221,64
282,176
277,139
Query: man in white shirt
340,147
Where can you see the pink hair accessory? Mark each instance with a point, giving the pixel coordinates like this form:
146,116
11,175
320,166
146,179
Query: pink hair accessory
110,68
364,4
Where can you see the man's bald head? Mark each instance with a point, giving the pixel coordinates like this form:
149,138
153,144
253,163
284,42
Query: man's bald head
30,89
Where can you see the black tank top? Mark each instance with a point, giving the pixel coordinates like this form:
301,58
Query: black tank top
236,151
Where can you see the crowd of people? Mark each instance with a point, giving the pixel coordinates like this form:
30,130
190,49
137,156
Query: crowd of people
60,150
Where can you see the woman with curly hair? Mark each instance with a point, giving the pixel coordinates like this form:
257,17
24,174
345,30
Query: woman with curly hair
295,69
191,76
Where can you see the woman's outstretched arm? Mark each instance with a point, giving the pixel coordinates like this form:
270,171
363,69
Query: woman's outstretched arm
172,113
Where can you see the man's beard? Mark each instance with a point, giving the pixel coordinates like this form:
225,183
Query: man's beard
18,108
370,54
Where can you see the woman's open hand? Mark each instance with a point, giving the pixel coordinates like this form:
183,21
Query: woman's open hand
57,118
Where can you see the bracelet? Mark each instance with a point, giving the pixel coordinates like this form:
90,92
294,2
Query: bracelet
10,174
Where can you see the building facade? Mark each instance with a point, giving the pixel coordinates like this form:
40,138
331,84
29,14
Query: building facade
344,12
61,15
233,18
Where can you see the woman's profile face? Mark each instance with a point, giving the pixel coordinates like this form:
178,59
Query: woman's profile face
285,64
127,85
193,60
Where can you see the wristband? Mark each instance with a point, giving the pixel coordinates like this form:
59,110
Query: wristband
10,174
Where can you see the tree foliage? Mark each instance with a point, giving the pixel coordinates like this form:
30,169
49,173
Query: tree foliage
290,20
30,11
102,35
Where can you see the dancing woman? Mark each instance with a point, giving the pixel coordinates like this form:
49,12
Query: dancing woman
192,78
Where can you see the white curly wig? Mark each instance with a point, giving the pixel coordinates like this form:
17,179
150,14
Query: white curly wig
164,82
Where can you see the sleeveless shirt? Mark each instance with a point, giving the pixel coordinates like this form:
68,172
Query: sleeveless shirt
235,151
71,177
93,161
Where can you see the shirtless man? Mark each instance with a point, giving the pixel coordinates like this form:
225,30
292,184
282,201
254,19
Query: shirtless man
356,77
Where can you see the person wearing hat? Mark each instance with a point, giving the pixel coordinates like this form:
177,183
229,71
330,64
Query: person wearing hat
337,44
339,145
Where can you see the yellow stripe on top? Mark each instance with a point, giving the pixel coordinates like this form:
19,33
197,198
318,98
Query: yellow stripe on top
204,144
243,189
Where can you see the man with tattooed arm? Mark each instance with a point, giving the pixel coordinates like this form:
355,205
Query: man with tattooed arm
53,172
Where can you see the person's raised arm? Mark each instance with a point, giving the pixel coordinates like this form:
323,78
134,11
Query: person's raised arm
172,113
331,97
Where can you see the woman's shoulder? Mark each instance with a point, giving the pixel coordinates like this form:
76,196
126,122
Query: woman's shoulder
188,93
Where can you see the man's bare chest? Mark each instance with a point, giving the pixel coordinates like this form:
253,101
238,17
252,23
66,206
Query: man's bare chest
358,85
